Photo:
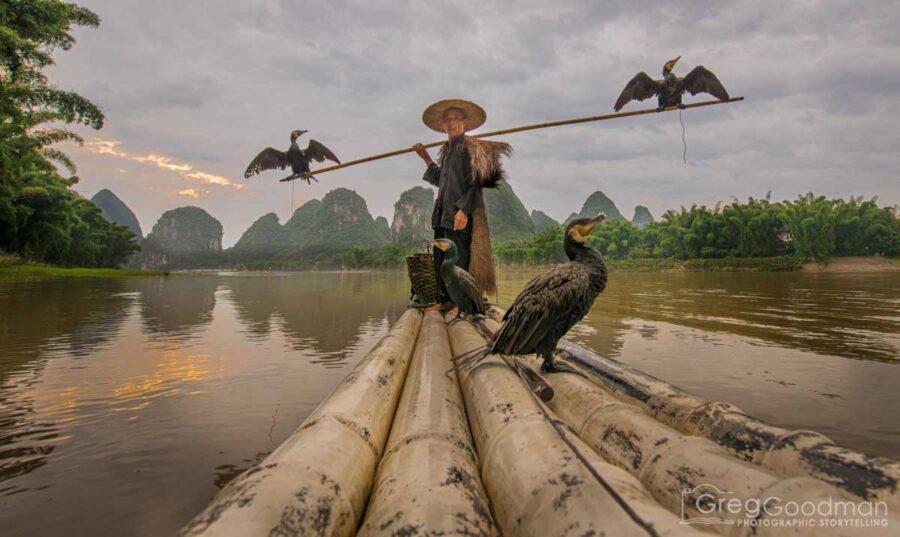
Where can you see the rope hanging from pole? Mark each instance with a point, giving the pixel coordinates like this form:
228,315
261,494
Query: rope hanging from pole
517,129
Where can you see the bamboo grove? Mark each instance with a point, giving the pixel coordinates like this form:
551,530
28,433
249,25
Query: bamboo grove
41,218
809,227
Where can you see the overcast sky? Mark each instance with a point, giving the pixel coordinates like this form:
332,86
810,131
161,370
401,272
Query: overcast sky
193,90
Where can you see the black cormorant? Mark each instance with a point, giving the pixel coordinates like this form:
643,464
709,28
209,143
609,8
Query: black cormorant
461,286
298,159
553,302
671,88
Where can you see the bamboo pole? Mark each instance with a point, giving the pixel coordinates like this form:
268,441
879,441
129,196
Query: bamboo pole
515,129
789,453
534,474
679,469
428,478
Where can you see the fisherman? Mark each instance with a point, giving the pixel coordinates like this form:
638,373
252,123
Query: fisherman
465,166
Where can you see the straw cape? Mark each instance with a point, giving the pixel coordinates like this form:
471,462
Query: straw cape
484,156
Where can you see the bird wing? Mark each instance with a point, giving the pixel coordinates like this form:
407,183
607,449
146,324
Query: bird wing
641,87
540,305
267,159
319,152
702,80
470,288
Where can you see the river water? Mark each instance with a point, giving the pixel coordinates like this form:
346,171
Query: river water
127,403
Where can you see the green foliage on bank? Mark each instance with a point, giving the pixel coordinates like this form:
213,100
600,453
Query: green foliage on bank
32,271
810,227
41,218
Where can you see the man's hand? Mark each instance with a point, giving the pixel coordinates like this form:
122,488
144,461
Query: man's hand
460,221
423,153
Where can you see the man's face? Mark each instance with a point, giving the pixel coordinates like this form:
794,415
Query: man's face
453,123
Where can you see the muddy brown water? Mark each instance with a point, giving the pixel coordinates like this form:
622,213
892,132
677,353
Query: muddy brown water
127,403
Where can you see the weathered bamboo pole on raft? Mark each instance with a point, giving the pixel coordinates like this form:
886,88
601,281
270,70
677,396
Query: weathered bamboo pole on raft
789,453
679,470
428,479
518,129
317,481
543,480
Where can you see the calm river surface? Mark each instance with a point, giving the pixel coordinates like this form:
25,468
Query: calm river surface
127,403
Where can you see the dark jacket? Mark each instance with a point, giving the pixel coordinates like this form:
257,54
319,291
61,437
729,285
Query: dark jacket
457,187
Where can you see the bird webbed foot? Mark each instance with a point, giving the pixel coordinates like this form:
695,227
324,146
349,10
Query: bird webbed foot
555,366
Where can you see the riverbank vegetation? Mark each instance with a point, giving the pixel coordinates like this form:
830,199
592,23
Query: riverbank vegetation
41,218
758,234
37,271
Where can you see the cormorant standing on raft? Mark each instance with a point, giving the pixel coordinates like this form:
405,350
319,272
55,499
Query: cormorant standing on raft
461,286
271,158
671,88
551,303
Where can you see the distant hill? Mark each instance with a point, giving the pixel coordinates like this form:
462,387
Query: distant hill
642,216
541,221
186,236
341,222
300,222
265,238
115,210
382,224
507,217
412,217
595,204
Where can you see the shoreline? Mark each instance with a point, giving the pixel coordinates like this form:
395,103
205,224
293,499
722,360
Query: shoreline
38,271
837,265
854,265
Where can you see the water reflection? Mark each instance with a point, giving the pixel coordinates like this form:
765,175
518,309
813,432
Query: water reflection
37,318
321,312
174,308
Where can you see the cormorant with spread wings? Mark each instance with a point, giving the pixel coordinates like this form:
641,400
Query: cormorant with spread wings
298,159
671,88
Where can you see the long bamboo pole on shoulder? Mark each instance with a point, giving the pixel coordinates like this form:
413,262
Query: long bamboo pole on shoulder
517,129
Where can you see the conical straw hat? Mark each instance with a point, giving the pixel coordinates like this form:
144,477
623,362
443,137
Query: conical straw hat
433,116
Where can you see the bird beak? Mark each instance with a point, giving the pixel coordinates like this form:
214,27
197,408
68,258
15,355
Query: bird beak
675,61
304,132
588,228
437,244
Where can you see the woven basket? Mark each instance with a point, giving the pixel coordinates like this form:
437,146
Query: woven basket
420,268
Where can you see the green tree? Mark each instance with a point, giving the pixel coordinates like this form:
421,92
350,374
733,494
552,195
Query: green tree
810,222
41,218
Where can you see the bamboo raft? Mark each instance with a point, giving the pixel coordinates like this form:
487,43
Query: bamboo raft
403,448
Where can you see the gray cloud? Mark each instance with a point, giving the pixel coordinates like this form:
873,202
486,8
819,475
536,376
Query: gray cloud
211,83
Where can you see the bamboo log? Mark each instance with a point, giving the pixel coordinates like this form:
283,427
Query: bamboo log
687,473
428,478
513,130
317,482
532,471
787,453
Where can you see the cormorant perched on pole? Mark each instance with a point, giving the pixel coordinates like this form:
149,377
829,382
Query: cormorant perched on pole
461,286
551,303
671,88
271,158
